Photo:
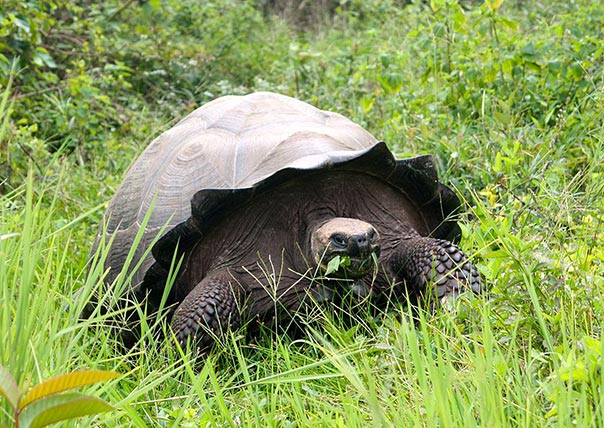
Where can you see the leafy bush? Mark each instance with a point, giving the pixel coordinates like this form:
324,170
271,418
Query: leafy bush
86,69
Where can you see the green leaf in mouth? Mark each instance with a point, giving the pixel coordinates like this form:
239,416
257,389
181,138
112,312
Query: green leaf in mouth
336,263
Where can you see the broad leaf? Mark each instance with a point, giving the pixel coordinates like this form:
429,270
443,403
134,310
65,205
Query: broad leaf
66,382
333,265
435,5
59,407
9,387
494,4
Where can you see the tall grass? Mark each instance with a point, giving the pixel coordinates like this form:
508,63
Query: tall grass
466,366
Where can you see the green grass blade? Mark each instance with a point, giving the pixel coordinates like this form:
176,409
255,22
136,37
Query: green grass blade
5,104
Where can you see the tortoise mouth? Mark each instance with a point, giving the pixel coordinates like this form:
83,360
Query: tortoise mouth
346,267
345,248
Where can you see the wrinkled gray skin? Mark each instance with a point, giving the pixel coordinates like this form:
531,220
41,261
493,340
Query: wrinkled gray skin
260,193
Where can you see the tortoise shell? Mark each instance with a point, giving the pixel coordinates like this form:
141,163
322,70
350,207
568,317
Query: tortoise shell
230,148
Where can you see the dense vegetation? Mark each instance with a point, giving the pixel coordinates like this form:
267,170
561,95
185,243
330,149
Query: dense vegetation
509,96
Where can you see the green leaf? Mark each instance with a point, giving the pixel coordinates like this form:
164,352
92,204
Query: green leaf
435,5
23,24
60,407
576,71
66,382
508,23
592,345
366,104
391,82
386,60
507,66
576,372
42,58
9,387
553,412
494,4
344,261
333,265
459,20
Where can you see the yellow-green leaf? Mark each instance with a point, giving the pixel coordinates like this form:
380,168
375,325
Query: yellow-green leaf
494,4
9,387
553,412
366,104
64,383
592,345
435,5
59,407
333,265
572,370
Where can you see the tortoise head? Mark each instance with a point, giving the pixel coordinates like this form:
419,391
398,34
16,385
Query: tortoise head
356,243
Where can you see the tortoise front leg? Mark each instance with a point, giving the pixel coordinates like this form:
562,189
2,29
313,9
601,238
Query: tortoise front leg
422,261
206,313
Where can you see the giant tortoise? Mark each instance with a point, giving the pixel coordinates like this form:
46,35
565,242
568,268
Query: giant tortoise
268,204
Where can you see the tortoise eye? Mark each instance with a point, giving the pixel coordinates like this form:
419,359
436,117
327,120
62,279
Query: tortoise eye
373,237
339,240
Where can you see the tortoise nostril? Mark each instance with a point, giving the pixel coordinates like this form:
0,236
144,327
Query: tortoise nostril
360,240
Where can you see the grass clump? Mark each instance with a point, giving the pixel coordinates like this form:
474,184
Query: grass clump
507,95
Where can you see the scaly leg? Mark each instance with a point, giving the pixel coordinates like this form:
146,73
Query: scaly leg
206,313
423,261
